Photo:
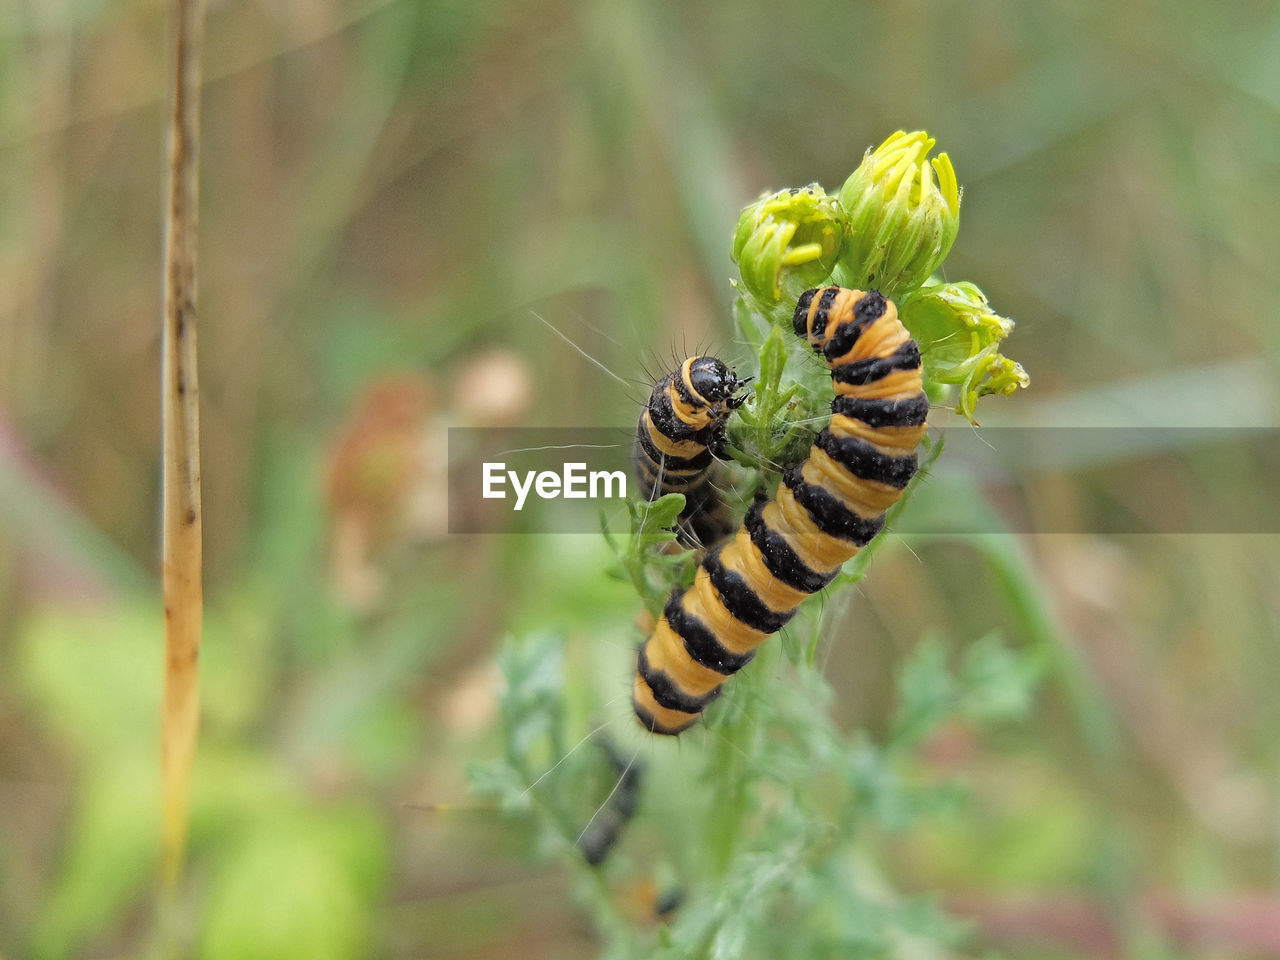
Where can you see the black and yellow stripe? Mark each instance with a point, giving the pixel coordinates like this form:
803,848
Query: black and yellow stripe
679,437
825,510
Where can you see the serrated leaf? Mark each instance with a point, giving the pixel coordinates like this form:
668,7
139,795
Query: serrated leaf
999,682
926,694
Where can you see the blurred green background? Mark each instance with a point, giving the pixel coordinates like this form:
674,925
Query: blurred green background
390,192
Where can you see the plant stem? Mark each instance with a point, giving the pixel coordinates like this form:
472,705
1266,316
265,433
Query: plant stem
182,518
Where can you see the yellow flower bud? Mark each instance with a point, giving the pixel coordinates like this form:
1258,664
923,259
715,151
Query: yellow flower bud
901,221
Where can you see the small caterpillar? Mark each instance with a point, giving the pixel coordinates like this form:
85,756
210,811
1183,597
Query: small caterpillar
825,510
604,829
601,835
678,438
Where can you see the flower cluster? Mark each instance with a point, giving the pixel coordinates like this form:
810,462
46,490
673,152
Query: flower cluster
889,228
900,221
787,242
959,336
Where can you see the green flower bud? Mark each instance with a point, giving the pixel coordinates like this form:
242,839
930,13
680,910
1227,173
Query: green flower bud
959,336
901,223
786,243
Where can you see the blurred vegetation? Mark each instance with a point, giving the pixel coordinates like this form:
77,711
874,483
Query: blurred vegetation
390,192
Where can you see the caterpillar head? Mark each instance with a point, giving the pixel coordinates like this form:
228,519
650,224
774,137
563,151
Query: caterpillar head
716,383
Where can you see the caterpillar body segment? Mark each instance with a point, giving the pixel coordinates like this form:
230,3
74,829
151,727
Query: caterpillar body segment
679,437
825,510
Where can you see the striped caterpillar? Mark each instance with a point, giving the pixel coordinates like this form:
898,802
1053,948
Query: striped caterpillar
680,433
825,510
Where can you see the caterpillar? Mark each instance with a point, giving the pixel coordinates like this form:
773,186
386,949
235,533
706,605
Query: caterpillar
825,510
678,438
603,830
601,835
647,902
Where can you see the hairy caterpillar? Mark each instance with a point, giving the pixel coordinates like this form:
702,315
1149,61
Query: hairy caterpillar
825,510
604,829
601,835
680,433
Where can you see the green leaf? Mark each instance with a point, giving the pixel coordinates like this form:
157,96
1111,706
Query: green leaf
926,694
1000,683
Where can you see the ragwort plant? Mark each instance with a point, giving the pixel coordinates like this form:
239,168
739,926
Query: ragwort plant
761,822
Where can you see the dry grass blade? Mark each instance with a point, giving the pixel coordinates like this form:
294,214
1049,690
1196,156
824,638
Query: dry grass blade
180,396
